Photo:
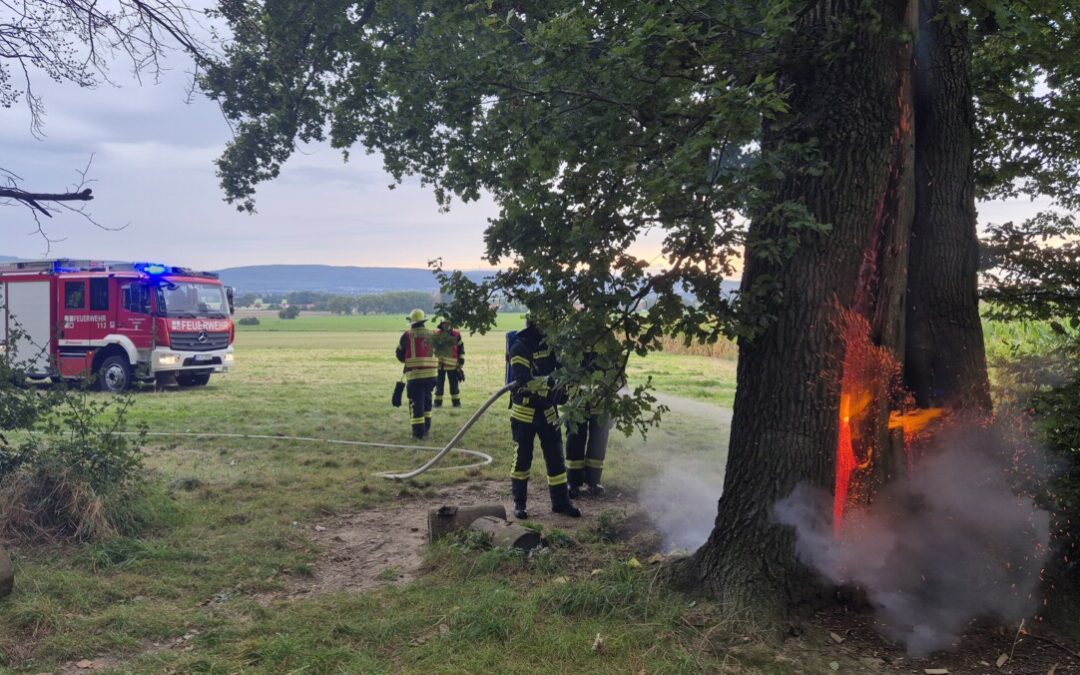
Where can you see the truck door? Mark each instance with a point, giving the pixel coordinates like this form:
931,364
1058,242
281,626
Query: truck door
74,326
73,312
133,316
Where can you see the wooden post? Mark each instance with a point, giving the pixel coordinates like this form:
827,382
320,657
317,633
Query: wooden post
506,534
446,519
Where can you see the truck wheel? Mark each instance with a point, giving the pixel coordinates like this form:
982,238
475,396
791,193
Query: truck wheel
114,375
192,379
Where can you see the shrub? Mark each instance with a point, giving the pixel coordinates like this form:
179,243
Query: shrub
74,472
290,312
249,321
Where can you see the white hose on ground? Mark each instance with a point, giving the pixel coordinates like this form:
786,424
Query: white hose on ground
453,441
484,458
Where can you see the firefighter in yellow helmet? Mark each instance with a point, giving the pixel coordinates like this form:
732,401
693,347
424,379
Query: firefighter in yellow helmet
416,350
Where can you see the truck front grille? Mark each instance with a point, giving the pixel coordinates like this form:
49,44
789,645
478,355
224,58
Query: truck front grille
198,342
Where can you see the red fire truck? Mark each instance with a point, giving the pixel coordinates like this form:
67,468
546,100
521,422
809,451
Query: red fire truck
115,322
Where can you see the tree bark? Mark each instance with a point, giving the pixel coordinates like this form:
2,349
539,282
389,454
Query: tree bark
847,93
945,363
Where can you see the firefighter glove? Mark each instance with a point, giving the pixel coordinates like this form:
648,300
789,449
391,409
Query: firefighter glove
461,375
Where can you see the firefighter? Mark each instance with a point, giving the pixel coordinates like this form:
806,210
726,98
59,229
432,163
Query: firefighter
533,413
451,366
416,351
586,447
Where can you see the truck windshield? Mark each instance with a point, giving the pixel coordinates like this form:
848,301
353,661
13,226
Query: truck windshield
187,299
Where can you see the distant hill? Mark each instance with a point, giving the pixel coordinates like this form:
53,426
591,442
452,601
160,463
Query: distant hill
7,258
331,279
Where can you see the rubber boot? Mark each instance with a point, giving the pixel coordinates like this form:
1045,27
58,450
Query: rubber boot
574,491
457,403
519,489
592,479
437,403
560,501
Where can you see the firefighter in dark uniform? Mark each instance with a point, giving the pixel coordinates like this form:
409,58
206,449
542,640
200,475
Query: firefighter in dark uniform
451,364
533,413
416,350
586,447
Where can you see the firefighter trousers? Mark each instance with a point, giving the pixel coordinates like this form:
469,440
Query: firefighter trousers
586,447
455,390
419,392
525,435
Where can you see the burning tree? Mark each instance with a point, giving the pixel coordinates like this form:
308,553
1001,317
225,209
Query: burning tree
853,136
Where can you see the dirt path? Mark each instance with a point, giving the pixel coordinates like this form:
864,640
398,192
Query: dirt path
385,545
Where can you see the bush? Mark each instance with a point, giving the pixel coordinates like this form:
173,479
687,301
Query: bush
1040,375
249,321
67,466
290,312
76,472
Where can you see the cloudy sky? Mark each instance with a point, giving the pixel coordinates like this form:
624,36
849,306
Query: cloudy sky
153,153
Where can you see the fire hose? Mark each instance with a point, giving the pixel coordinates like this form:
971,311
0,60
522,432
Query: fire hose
483,457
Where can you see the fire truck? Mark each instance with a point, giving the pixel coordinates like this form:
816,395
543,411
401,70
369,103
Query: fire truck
115,323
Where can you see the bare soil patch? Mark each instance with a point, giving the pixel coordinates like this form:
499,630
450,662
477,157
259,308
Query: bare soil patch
385,545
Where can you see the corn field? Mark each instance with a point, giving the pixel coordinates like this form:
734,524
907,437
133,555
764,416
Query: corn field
722,349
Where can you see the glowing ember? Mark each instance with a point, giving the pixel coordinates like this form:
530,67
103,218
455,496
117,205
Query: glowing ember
845,463
870,386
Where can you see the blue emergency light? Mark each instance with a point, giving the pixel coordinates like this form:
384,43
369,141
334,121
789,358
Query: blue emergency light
153,269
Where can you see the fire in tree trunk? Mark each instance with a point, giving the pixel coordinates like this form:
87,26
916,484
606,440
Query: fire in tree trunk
824,396
786,422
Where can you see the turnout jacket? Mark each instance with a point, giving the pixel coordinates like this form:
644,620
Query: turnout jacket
532,359
455,357
415,349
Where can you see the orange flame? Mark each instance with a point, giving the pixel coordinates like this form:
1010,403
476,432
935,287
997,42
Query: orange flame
914,421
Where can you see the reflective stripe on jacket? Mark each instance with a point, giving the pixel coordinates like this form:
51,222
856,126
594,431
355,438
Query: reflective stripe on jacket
418,355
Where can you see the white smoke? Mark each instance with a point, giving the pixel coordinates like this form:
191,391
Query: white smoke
681,500
950,543
681,503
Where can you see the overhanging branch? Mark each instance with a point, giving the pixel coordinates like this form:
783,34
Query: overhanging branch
34,199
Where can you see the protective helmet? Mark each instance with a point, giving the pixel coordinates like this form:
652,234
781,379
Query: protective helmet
416,315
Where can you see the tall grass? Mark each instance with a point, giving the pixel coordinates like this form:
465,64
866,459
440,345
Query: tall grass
722,349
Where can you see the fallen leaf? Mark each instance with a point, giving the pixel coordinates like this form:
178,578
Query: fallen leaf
836,638
936,671
320,528
834,665
596,572
633,563
656,558
1001,660
561,580
85,664
1053,669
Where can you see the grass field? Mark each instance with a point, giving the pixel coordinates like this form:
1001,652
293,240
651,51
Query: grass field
206,590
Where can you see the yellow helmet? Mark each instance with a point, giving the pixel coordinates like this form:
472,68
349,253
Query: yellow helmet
416,315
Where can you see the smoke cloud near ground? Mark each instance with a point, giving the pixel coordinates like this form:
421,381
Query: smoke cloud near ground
681,503
950,543
681,499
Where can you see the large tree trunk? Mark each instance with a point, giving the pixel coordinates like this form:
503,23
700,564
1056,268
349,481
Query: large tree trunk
945,360
785,423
